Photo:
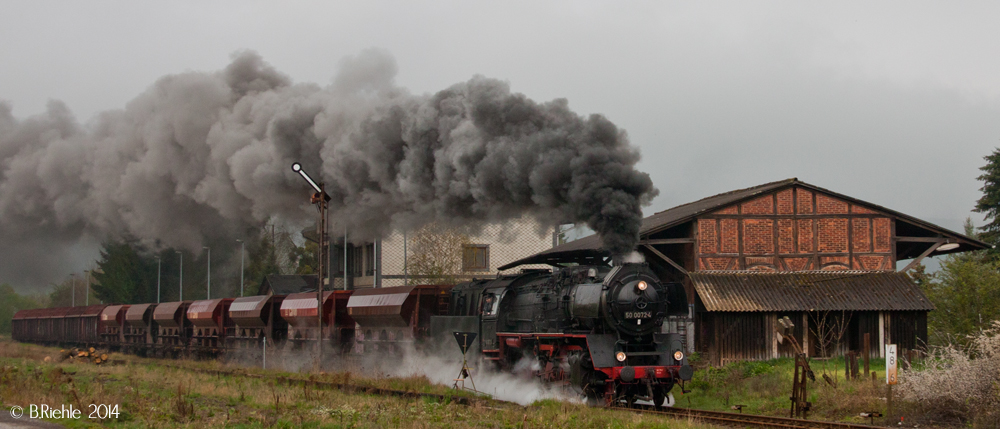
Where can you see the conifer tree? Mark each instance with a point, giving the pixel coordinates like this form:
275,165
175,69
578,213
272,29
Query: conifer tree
989,203
126,274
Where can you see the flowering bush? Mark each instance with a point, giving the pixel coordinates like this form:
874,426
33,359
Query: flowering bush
959,382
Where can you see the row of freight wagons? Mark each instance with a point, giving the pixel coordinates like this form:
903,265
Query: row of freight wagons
351,320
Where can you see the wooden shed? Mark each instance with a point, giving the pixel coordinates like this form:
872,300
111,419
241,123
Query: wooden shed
786,248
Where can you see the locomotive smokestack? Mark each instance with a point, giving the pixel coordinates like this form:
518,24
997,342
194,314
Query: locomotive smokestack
633,257
202,156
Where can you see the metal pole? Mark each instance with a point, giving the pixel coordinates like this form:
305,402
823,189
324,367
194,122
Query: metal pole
159,266
181,282
208,293
345,256
319,277
72,286
406,278
243,250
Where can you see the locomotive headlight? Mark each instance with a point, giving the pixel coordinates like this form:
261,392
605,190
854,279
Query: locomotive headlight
678,355
642,285
620,356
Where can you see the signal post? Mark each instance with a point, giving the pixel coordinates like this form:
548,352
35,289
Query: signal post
322,201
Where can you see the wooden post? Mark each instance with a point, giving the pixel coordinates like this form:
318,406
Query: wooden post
855,372
891,361
847,365
800,405
867,351
888,414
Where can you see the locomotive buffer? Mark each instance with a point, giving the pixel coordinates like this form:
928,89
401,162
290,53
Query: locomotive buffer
465,340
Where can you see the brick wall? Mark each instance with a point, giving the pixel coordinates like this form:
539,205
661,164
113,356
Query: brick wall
793,230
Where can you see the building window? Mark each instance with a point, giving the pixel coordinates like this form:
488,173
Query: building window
354,260
370,259
475,257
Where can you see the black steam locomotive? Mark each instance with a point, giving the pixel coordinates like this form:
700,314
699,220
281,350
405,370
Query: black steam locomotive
596,328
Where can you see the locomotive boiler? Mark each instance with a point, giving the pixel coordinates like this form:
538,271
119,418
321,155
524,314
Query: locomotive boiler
597,328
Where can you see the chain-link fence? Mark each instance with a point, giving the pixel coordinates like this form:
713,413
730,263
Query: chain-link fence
438,255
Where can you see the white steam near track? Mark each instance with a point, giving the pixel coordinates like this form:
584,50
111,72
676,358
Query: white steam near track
204,156
516,386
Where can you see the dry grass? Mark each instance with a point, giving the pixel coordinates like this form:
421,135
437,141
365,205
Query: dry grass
151,395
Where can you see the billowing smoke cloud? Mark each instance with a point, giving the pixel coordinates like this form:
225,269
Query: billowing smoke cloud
201,156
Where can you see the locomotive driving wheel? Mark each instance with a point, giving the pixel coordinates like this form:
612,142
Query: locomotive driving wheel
662,397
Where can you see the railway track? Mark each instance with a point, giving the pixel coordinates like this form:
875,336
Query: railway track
744,420
713,417
344,387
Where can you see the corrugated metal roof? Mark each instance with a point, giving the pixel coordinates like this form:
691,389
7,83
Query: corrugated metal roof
808,291
279,284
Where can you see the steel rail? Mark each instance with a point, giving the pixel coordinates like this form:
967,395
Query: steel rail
344,387
745,420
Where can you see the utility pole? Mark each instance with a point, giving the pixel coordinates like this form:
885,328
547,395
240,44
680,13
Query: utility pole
181,283
406,274
159,265
208,293
243,251
345,256
321,199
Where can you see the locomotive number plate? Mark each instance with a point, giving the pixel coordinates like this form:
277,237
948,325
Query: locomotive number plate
638,314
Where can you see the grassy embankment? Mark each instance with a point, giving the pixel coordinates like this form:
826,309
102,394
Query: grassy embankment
149,394
765,387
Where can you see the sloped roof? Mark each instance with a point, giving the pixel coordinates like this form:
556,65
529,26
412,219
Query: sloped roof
590,246
808,291
278,284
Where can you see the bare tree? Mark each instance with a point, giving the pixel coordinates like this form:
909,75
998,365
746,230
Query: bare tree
436,256
829,329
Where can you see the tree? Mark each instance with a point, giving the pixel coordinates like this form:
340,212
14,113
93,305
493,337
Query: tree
829,329
11,302
437,255
305,257
262,261
61,295
966,292
989,203
126,274
967,297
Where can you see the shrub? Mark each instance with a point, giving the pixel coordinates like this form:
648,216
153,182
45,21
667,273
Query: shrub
959,382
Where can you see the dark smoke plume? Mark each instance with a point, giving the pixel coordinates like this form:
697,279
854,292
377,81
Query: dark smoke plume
201,156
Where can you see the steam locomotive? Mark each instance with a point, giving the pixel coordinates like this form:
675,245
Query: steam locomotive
595,328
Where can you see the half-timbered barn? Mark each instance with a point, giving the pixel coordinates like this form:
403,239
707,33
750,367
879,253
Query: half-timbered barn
750,257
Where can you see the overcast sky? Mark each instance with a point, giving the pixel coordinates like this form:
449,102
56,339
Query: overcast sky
895,103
